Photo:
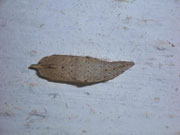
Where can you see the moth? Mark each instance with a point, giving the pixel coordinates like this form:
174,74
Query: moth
79,69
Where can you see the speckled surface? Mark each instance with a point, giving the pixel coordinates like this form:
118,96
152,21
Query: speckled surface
143,101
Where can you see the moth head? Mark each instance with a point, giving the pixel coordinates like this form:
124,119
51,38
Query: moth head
35,66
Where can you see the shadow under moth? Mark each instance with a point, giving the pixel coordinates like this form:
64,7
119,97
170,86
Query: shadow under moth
81,70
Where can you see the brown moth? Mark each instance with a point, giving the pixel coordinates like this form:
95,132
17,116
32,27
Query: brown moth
79,69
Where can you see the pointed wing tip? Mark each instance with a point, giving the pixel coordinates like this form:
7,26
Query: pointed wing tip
130,64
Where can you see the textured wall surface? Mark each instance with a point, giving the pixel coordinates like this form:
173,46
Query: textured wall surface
145,100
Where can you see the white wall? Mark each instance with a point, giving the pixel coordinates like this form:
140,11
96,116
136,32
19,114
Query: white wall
145,100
